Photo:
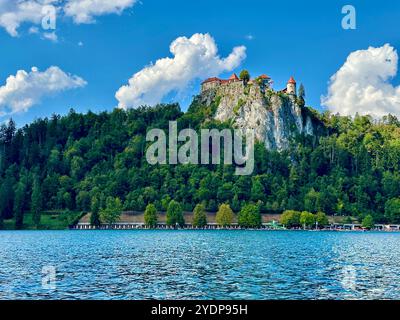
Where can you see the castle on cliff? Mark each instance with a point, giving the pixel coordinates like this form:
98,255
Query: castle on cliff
264,81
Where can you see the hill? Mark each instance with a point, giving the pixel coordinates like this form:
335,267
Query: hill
63,163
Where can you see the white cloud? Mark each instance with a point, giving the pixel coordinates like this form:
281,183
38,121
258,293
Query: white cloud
193,58
84,11
26,89
33,30
363,85
52,36
14,13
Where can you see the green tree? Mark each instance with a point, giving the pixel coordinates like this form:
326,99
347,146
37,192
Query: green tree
257,190
301,96
199,216
244,76
150,215
7,199
368,222
322,219
307,219
95,212
112,212
290,218
36,202
175,214
392,210
83,201
224,215
249,216
19,204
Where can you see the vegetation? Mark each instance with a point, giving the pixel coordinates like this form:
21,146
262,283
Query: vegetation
150,216
175,214
244,76
36,202
249,216
95,212
351,169
321,219
112,212
291,218
238,106
368,222
199,216
224,215
392,210
301,96
307,219
49,220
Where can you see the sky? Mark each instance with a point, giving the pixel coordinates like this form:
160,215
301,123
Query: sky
122,53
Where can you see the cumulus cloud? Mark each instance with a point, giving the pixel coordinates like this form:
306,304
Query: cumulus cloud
193,58
84,11
14,13
26,89
363,85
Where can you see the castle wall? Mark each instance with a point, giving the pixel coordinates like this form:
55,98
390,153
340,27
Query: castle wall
210,85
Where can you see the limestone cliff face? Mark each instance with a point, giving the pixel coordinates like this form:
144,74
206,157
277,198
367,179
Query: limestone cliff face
275,117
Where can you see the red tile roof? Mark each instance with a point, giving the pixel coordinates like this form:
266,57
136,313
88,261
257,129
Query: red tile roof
291,80
264,76
211,80
233,77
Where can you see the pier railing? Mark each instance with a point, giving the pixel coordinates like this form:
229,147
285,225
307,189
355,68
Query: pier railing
213,226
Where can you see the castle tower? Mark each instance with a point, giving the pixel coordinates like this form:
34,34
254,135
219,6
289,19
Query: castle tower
291,86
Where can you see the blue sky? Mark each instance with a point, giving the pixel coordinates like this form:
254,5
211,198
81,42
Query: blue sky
300,38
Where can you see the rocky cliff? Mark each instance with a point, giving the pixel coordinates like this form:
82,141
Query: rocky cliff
275,117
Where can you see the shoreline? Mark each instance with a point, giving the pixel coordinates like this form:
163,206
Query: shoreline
214,229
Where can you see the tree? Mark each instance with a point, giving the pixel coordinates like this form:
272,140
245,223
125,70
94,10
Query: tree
7,199
95,212
307,219
368,222
224,215
249,216
19,204
290,218
244,76
322,219
36,202
392,210
257,190
301,95
112,212
175,214
199,216
150,216
83,201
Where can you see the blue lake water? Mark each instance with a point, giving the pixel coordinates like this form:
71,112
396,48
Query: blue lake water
200,265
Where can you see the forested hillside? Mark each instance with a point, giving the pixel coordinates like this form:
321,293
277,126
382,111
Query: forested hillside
66,163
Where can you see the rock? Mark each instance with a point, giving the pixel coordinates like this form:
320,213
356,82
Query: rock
275,117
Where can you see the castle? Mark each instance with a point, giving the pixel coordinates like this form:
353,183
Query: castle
264,81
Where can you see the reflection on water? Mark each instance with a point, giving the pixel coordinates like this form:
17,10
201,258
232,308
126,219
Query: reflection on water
199,265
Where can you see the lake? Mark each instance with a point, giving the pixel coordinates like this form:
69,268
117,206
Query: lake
220,264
